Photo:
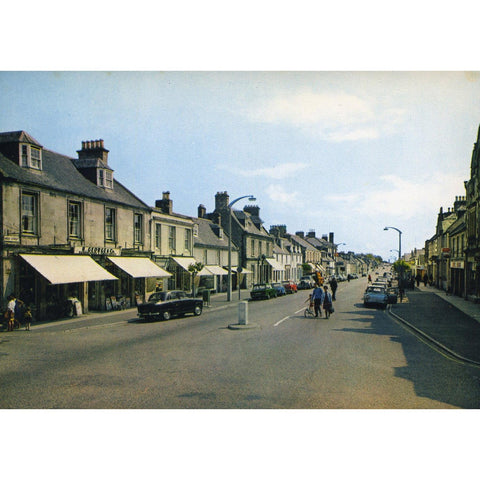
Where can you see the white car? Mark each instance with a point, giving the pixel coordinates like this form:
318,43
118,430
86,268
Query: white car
376,296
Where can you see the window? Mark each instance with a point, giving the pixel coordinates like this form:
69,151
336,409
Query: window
158,236
110,224
137,228
188,240
29,213
104,178
172,238
253,247
24,162
31,157
74,220
35,157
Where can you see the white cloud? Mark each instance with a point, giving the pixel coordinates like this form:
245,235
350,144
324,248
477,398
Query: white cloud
278,194
400,198
335,117
276,172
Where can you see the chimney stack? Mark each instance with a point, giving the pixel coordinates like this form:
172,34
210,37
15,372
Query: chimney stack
165,204
202,211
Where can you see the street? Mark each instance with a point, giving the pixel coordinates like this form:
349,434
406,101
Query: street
360,358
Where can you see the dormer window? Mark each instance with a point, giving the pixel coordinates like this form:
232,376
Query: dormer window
220,233
31,157
195,230
104,178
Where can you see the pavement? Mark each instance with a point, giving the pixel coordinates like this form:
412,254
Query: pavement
218,301
450,322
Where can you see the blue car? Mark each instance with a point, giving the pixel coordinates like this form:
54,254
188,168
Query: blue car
279,288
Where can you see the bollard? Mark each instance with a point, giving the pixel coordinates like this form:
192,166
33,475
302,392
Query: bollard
243,313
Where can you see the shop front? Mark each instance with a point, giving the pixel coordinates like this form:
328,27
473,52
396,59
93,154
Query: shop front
138,278
58,286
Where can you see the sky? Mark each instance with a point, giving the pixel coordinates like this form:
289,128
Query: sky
347,152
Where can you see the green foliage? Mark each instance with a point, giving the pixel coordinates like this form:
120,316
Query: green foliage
401,266
307,268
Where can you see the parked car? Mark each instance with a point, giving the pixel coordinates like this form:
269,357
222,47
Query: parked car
376,296
392,293
165,305
279,288
262,290
305,282
290,287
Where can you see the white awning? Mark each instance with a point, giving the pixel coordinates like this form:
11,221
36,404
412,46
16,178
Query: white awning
275,265
139,267
216,270
244,270
185,262
58,269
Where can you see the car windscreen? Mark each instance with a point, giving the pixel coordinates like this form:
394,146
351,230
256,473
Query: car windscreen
158,297
259,287
375,290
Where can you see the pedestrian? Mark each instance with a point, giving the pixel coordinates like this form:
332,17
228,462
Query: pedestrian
369,278
333,286
317,297
27,316
327,302
10,313
19,312
425,279
418,279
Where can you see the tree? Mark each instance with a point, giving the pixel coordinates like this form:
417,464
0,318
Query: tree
194,269
401,266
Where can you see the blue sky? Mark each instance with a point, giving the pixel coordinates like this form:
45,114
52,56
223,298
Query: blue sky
343,152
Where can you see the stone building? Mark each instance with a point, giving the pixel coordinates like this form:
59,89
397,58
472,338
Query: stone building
472,247
64,225
254,244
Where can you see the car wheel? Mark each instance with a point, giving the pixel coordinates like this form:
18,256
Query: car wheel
197,310
167,315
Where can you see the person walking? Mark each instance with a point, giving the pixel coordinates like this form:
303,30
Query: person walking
418,279
333,286
317,297
327,302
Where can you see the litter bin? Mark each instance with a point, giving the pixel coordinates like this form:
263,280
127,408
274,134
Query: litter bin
206,296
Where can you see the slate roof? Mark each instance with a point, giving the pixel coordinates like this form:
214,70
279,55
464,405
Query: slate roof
302,242
248,223
60,174
18,136
207,236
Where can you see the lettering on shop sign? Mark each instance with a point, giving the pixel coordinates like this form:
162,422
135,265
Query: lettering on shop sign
96,251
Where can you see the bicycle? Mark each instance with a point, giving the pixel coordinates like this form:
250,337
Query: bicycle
309,312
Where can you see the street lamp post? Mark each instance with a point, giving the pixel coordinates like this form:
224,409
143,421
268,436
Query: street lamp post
251,198
399,240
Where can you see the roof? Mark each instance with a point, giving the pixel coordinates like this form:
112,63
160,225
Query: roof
249,223
59,173
302,242
207,235
18,136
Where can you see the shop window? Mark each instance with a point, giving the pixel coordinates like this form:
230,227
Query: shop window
29,214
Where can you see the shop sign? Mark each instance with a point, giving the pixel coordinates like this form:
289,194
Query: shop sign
96,251
457,264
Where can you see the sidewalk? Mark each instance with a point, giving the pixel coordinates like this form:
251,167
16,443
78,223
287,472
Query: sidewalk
217,301
451,322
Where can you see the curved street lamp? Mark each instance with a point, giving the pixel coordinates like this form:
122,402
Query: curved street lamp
399,240
251,198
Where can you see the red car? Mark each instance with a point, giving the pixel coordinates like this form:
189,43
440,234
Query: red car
290,287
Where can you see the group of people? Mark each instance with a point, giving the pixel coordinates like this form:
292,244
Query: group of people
17,313
321,297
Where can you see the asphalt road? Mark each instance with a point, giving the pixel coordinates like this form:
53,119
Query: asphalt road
358,359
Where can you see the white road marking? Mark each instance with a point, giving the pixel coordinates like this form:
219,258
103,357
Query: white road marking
286,318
